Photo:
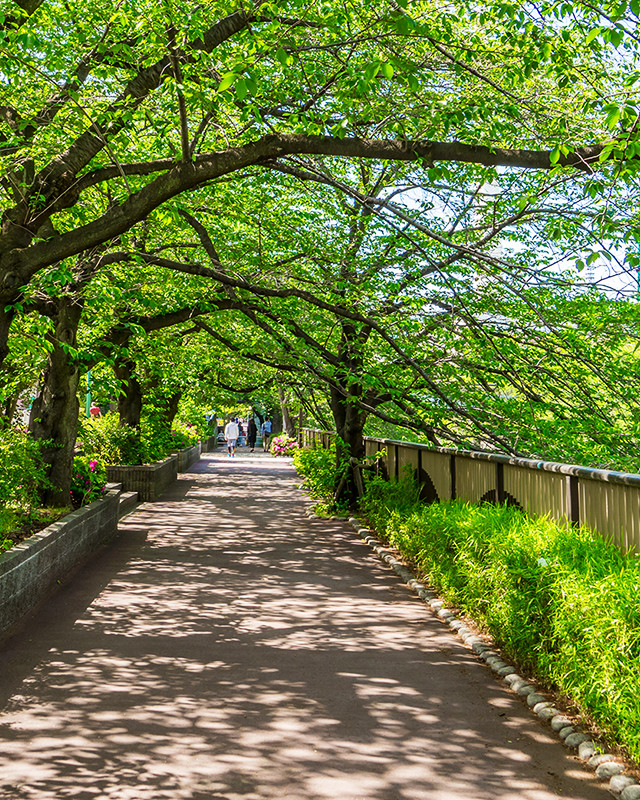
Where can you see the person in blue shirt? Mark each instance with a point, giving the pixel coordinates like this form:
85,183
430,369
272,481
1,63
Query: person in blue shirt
266,433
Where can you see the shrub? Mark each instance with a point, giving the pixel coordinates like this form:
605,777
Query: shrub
283,445
22,473
318,470
22,476
104,439
561,601
88,480
383,499
183,434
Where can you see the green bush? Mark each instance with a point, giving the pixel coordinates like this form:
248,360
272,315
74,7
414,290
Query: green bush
103,438
183,434
561,601
88,480
22,476
383,498
22,473
318,469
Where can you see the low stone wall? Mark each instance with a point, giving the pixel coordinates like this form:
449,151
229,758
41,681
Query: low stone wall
30,570
209,444
188,456
148,480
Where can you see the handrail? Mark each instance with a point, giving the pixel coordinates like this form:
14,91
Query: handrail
590,473
606,500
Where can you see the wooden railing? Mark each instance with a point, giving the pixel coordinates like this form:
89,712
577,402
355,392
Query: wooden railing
603,500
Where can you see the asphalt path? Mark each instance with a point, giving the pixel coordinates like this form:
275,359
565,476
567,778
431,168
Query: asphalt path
227,646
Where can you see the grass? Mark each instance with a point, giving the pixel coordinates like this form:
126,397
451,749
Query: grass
561,601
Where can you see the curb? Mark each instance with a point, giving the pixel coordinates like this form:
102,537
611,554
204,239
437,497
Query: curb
607,767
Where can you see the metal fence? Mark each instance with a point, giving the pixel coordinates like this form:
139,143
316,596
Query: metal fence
603,500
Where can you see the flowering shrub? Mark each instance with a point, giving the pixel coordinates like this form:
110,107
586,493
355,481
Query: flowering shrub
183,434
105,439
283,445
87,480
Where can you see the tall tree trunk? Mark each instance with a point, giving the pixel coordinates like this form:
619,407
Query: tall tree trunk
130,398
349,421
288,426
6,318
349,418
169,408
8,410
54,414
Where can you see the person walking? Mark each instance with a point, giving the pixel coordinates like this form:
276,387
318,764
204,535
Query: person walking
252,433
266,434
231,436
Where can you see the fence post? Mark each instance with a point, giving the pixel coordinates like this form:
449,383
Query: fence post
396,466
500,495
574,499
452,471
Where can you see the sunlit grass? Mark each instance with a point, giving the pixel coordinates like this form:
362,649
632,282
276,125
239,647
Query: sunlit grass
561,601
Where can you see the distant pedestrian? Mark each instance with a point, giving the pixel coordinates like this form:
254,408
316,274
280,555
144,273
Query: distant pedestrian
252,433
266,433
240,432
231,437
95,411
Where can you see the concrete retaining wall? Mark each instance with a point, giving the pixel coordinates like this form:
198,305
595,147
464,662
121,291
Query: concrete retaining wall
188,456
209,444
148,480
30,570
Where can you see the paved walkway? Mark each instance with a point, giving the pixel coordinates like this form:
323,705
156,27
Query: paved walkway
228,647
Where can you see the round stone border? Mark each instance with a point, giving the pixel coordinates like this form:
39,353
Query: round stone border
607,766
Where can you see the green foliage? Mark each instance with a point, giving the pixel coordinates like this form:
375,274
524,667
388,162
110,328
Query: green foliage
88,480
183,434
382,498
22,473
318,469
105,439
561,601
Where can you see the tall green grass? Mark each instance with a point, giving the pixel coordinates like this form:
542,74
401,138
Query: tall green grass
561,601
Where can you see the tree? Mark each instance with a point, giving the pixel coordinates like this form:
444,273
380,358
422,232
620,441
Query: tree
113,124
189,97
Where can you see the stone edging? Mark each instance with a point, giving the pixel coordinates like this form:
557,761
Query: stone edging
607,766
148,480
35,566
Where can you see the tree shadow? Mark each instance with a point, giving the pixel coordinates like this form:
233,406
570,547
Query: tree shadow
229,647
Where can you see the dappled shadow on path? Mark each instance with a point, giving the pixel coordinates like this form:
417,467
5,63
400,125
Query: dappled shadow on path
241,650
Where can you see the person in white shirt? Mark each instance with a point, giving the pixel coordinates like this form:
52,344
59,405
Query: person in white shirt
231,432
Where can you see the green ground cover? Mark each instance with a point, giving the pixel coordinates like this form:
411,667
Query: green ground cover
561,602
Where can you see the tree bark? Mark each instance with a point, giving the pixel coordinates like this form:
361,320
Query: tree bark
6,317
288,425
54,415
130,398
169,409
349,418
